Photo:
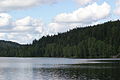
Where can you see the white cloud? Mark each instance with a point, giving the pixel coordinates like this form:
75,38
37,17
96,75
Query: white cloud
4,19
2,35
117,10
82,17
28,24
24,21
26,29
117,2
54,27
22,30
84,2
86,15
6,5
19,37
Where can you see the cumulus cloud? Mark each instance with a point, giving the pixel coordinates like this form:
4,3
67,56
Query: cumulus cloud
19,37
84,2
117,10
22,30
7,5
27,29
88,14
4,19
2,35
54,28
22,38
28,24
79,18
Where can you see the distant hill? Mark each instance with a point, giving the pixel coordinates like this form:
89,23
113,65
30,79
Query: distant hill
6,47
98,41
4,43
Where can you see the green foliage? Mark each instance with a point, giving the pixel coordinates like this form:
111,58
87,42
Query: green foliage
99,41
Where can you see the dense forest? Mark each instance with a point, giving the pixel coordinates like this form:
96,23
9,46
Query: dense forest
98,41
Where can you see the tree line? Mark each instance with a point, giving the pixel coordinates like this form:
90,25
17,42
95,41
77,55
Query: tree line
98,41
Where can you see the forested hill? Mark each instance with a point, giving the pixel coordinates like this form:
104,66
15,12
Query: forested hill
4,43
99,41
7,47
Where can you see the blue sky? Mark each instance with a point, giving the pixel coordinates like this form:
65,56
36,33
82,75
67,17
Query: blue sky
32,19
47,12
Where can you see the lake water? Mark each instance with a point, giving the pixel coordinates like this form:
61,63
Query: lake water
59,69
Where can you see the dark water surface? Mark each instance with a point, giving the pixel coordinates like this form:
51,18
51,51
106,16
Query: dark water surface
59,69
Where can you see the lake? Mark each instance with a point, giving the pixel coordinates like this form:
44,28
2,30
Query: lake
59,69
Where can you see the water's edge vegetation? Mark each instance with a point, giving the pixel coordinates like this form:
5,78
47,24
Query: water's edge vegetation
98,41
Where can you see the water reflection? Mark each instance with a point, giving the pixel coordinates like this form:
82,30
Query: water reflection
39,69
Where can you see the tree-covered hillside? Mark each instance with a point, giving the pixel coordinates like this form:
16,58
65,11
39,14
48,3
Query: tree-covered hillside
7,48
99,41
